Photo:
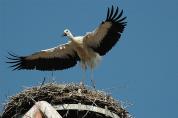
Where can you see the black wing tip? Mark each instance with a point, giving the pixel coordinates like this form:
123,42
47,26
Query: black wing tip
114,15
15,61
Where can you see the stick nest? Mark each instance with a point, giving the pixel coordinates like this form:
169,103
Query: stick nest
56,94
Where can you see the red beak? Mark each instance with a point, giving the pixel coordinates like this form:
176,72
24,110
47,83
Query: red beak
64,34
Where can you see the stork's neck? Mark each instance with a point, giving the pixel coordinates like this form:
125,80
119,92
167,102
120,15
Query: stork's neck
70,36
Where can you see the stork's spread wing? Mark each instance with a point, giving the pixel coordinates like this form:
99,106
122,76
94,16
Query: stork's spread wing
57,58
108,33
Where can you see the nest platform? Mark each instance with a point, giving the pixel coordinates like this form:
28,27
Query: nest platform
70,100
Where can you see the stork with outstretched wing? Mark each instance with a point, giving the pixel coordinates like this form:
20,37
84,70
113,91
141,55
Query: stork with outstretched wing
86,49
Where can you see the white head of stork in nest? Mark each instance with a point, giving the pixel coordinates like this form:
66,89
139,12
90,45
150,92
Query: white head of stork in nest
86,49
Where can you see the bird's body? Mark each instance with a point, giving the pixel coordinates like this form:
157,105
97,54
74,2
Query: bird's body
88,57
87,49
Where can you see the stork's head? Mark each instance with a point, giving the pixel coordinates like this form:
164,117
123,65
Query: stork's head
67,33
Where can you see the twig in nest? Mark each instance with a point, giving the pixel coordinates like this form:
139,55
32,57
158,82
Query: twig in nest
67,112
30,98
85,114
93,102
43,82
89,111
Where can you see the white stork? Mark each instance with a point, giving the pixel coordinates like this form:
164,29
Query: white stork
87,49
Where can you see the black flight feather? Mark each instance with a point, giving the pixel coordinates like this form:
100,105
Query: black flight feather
114,32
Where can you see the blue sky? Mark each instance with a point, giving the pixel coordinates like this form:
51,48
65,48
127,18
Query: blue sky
141,69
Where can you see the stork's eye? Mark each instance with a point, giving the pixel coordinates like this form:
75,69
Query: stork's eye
67,31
